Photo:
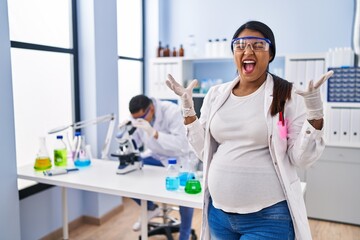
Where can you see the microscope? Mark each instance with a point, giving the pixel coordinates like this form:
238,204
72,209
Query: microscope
128,153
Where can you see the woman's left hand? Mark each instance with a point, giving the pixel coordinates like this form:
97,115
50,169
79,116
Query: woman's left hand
312,97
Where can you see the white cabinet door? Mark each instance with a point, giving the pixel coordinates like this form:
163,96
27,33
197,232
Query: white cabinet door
179,68
333,186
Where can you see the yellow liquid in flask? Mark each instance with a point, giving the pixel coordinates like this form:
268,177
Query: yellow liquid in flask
42,163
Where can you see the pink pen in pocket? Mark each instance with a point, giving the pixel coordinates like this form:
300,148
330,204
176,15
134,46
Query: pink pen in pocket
282,125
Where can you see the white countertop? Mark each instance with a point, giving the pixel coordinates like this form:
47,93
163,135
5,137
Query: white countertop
100,176
146,184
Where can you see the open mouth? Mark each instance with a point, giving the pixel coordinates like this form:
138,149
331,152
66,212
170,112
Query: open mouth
249,66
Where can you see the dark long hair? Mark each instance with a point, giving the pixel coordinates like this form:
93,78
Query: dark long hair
281,93
282,88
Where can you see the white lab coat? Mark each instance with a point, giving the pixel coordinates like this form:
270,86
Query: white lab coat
172,141
301,148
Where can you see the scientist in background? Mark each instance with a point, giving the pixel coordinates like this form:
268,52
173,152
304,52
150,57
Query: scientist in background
161,131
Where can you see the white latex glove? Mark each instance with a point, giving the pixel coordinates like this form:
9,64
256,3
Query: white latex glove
145,154
185,94
123,123
145,125
312,97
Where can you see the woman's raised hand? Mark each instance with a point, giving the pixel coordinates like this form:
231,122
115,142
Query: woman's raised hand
312,97
185,94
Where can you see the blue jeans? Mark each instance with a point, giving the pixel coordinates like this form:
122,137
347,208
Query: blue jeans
273,222
186,213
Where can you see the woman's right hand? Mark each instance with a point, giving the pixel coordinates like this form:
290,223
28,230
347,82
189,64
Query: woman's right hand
184,93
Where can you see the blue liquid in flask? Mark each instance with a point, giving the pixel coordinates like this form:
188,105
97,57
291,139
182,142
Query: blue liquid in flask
82,162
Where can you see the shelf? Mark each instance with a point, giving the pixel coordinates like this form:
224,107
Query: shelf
342,145
210,59
349,105
196,59
185,69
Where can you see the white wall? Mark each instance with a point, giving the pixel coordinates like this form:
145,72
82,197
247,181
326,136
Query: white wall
9,201
98,65
299,26
41,213
97,33
152,23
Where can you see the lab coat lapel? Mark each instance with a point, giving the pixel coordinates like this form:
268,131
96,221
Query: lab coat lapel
222,98
269,85
158,114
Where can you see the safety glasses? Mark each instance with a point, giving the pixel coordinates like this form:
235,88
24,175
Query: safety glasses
146,113
256,44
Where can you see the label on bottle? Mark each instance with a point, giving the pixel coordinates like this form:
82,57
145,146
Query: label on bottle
60,157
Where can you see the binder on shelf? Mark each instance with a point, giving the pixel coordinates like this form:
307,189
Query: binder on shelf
355,125
300,75
309,72
319,68
291,77
335,114
319,71
345,125
169,68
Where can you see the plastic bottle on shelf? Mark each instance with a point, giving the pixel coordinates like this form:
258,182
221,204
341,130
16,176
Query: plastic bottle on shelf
208,48
225,50
216,48
330,56
42,161
172,176
60,152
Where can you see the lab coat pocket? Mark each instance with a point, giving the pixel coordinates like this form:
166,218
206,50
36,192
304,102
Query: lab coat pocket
280,139
282,128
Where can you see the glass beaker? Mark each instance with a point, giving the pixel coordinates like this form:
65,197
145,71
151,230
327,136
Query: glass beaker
42,161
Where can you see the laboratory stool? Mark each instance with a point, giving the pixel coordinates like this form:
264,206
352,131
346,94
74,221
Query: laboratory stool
168,225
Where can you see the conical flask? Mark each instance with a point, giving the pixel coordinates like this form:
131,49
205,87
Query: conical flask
82,154
42,161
